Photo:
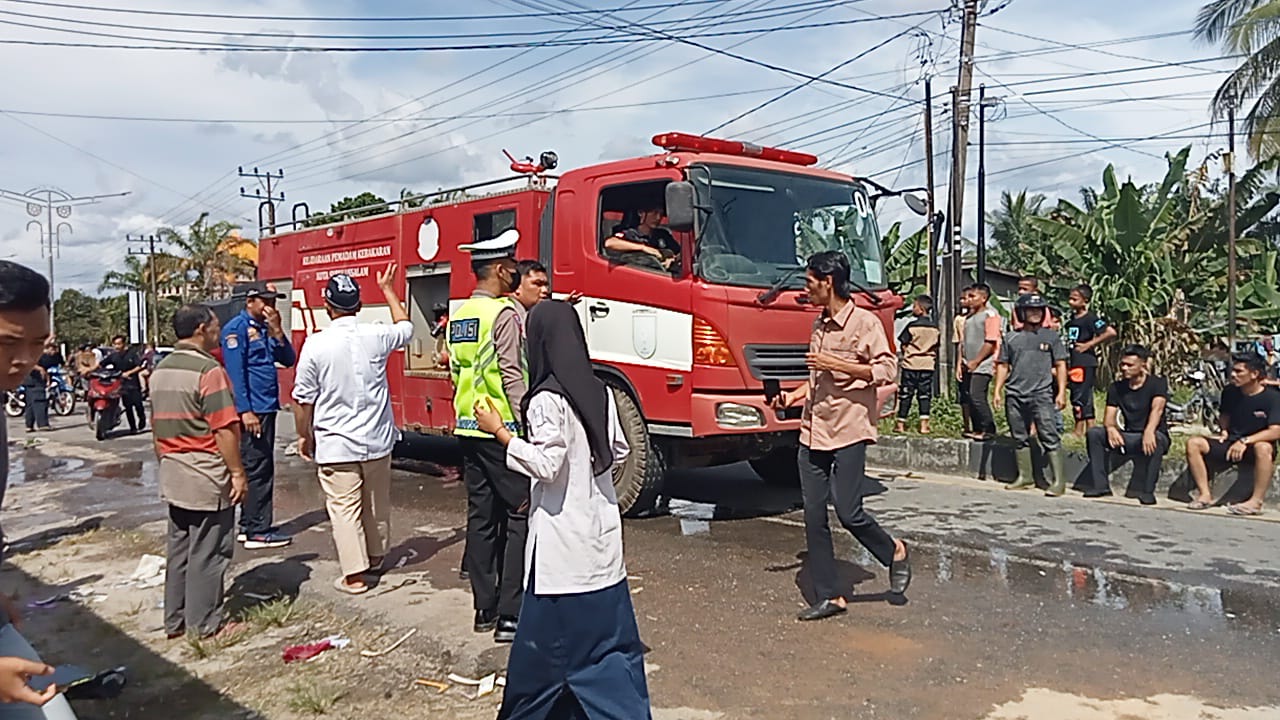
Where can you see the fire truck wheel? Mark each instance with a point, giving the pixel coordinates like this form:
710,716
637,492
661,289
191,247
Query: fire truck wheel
638,481
778,468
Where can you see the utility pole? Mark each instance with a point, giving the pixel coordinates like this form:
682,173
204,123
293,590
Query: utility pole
1231,229
931,274
964,88
266,202
149,250
947,287
48,201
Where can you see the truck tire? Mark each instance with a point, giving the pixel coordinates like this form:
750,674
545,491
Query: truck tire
638,481
778,468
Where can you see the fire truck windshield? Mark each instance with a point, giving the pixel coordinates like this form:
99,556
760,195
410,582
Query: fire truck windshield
763,224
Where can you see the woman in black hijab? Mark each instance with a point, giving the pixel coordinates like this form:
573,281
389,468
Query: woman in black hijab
577,652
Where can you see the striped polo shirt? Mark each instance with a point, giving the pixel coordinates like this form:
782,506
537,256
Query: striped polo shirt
191,398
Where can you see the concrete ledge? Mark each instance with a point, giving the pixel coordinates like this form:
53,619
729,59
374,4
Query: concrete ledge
995,460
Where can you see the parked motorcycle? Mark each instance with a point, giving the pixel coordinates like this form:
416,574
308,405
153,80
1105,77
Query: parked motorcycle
1202,408
62,395
105,406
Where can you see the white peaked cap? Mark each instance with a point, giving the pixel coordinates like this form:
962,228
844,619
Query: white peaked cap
494,248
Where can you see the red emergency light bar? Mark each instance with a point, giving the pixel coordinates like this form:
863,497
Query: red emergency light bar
675,142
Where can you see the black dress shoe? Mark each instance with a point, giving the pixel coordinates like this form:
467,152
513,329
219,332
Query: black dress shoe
1097,493
1147,499
464,575
821,611
900,574
486,620
506,630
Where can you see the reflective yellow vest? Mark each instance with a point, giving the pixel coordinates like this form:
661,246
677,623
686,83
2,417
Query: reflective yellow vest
473,361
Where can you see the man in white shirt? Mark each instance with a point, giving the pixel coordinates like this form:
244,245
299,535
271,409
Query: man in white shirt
343,415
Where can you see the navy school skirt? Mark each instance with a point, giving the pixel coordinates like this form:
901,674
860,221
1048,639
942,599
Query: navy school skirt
576,657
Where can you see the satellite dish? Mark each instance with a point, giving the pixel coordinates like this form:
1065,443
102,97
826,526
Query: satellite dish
917,205
428,239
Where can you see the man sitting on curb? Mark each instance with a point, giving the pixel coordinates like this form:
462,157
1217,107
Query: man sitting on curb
1138,399
1250,428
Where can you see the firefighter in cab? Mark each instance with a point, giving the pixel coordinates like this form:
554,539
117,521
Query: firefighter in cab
487,361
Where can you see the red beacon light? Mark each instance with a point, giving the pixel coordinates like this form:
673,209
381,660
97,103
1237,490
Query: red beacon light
675,142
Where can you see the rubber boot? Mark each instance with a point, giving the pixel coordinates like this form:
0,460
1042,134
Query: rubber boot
1059,486
1026,475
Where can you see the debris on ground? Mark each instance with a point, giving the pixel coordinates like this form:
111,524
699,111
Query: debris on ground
86,596
150,572
484,686
394,645
440,687
310,651
291,449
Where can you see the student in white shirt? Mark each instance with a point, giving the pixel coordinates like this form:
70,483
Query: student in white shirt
577,650
343,415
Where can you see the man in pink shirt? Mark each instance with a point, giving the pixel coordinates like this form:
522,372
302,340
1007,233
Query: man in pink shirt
849,357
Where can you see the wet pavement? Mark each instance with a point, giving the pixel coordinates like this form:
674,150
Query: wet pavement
1022,606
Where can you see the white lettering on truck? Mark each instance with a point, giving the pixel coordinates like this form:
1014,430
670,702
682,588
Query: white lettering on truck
346,256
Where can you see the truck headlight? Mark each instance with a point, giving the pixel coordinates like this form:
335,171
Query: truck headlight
734,415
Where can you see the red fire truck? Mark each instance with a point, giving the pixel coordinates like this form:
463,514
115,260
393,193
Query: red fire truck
687,350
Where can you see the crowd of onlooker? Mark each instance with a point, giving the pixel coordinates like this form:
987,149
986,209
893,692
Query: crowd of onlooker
1043,363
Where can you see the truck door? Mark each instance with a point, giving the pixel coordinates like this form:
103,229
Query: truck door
636,313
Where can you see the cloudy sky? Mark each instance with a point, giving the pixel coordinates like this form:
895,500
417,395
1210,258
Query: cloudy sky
1083,83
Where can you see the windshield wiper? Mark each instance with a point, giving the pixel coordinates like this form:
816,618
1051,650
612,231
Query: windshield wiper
875,299
775,289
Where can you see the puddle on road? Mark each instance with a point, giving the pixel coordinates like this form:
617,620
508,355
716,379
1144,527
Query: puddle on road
1179,605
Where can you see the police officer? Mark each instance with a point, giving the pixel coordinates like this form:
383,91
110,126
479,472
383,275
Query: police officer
486,359
253,342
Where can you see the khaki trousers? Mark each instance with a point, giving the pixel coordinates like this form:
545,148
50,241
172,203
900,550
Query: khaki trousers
358,498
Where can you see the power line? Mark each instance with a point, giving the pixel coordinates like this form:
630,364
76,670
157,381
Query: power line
205,46
356,18
675,25
809,82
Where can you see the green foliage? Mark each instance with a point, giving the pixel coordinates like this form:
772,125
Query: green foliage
362,205
1251,29
1155,254
907,263
204,252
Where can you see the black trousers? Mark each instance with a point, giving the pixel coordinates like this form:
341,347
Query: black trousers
259,457
979,385
918,383
497,525
1103,459
1082,392
37,408
131,402
838,476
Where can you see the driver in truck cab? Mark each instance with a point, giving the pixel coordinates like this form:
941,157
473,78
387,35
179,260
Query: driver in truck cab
645,243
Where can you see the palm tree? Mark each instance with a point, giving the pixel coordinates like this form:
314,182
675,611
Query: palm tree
1015,241
209,255
1251,29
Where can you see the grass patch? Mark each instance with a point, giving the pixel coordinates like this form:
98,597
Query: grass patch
277,613
312,698
200,648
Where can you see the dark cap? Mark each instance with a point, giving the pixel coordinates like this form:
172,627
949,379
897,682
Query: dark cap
342,293
259,290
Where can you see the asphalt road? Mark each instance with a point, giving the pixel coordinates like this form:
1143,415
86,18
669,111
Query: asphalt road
1022,606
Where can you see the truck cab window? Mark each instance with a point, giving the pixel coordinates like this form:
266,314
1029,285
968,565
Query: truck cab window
632,228
491,225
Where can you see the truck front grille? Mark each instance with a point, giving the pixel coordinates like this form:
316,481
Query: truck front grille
777,362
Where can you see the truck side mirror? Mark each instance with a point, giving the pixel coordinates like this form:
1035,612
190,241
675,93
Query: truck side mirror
680,206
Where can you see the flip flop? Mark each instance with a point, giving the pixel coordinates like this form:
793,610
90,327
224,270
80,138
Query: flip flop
340,584
1198,505
1243,510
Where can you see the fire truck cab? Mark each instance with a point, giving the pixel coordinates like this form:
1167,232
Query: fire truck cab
687,349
